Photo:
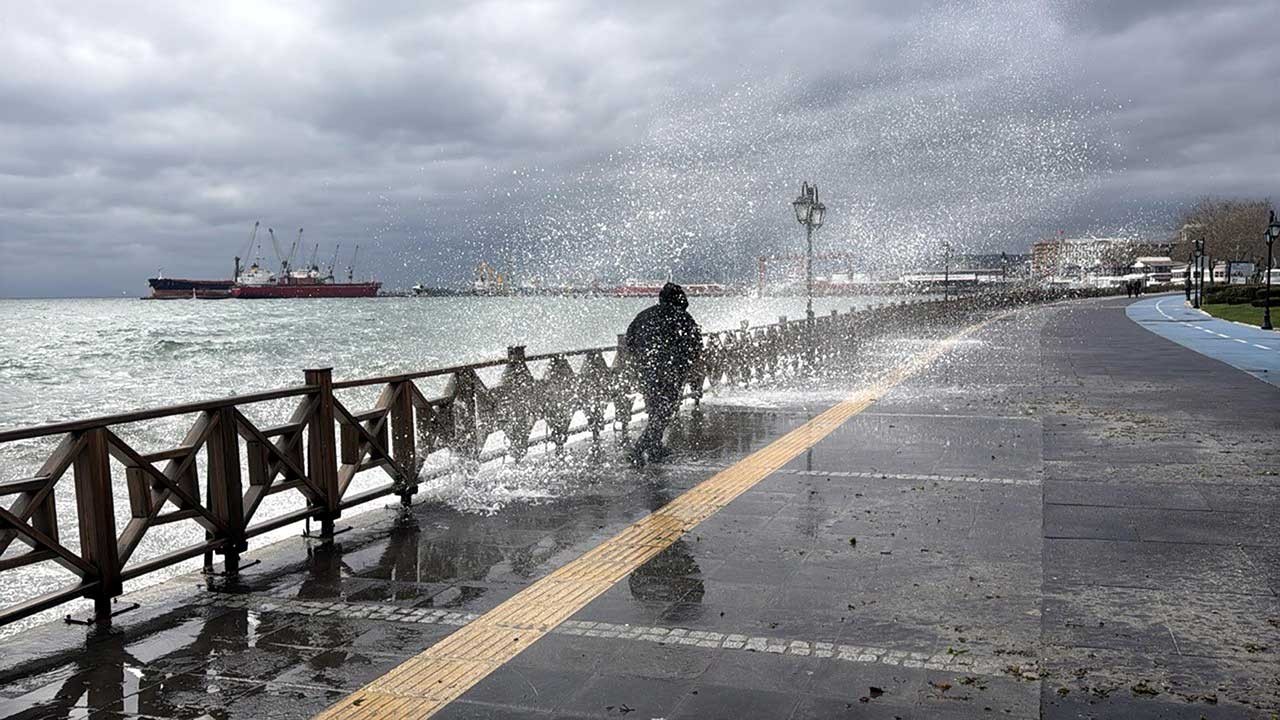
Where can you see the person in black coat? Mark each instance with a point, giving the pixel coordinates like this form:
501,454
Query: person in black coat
664,342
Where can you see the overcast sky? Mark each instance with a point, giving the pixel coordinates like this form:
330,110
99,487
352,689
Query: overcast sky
583,139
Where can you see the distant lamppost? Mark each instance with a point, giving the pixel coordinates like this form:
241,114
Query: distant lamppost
809,212
1191,258
1273,232
946,271
1193,275
1199,246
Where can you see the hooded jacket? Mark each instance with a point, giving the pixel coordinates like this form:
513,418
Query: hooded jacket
664,340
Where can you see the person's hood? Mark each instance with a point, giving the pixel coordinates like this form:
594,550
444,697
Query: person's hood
673,294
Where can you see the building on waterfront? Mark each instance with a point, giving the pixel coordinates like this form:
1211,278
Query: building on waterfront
1154,268
1006,265
1089,259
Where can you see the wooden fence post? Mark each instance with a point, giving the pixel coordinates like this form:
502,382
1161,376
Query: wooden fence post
403,443
226,494
96,508
623,382
322,453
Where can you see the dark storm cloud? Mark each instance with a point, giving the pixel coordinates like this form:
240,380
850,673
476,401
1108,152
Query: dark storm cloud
570,136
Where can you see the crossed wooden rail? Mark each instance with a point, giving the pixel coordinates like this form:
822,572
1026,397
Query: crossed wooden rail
325,445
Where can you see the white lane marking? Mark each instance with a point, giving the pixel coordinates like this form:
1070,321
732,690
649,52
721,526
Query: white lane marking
970,659
1160,310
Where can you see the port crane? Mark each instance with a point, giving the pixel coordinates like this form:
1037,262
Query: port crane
312,264
297,243
351,268
334,262
284,263
253,237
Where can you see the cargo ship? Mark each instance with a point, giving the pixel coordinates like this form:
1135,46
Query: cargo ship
257,282
303,284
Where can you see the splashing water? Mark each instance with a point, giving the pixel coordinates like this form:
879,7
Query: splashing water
956,132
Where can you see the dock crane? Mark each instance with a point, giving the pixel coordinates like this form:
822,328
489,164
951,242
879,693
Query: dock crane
334,262
351,268
293,249
253,236
312,264
284,261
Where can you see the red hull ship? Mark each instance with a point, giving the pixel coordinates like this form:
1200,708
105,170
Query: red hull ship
256,282
306,290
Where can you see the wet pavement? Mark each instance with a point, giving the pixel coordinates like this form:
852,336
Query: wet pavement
1067,516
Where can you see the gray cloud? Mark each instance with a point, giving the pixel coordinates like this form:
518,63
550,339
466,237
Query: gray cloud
571,137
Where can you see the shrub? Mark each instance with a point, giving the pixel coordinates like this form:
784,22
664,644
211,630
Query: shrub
1233,294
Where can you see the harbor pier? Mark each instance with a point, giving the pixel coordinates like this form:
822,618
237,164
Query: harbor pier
988,507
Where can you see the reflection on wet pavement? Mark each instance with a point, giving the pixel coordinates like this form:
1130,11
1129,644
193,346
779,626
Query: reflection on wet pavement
179,657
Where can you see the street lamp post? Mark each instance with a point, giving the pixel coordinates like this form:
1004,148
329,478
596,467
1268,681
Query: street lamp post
1273,232
1199,255
1191,258
946,271
809,212
1193,249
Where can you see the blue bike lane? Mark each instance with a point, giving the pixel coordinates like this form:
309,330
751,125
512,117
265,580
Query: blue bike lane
1246,348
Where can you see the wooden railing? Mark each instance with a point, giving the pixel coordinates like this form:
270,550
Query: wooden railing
317,454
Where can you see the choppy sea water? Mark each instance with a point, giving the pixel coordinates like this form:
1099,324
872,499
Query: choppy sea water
71,358
66,359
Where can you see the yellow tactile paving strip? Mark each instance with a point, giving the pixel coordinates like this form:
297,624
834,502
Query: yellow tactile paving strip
423,684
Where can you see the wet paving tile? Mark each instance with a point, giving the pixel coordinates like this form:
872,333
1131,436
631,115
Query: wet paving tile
834,708
280,700
338,670
528,687
461,710
394,638
187,696
722,702
1154,565
621,695
1089,522
763,671
652,660
1084,704
1173,496
574,653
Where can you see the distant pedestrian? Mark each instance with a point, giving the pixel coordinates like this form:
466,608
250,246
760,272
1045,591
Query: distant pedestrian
1128,288
664,343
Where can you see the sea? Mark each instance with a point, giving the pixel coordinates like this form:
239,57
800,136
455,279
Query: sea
67,359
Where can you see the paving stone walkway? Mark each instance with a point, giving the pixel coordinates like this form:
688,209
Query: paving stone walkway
1068,516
